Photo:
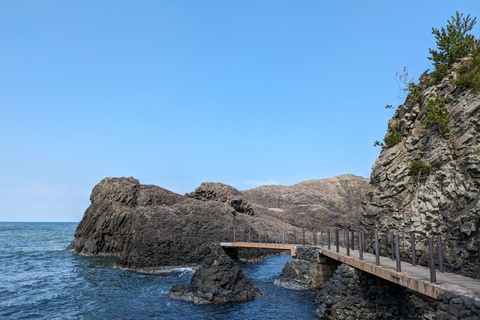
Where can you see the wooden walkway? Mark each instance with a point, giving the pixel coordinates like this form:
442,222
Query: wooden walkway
415,278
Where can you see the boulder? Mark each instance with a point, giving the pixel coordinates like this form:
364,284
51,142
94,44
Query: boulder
220,282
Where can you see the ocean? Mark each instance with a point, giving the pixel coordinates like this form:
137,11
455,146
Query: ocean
40,279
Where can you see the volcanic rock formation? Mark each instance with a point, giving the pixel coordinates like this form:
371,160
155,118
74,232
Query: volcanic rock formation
149,228
220,281
429,183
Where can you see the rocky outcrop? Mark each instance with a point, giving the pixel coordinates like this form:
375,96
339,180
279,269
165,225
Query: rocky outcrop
352,294
307,271
223,193
222,281
150,228
334,202
443,199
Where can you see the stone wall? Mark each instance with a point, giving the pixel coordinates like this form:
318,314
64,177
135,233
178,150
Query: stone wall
458,307
353,294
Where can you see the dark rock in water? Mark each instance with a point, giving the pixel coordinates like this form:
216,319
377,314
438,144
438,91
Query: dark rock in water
308,271
222,281
223,193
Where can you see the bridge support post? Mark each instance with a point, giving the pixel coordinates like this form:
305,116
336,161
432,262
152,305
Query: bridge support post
337,241
433,276
347,246
360,245
328,238
392,240
353,240
414,253
397,253
377,251
321,237
440,254
303,242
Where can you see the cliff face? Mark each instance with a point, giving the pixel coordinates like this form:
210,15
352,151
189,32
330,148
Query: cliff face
443,200
148,227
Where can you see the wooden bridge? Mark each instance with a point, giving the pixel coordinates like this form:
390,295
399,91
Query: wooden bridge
417,278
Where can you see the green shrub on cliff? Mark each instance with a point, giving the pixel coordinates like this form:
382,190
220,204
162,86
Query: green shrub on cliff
419,169
469,72
454,41
436,114
394,136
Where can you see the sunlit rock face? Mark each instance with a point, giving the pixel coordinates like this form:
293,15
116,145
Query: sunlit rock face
444,201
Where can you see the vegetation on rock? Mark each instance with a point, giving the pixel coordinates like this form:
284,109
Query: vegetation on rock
394,136
436,114
419,169
469,72
453,42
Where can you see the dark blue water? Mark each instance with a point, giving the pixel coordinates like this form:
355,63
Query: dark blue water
39,279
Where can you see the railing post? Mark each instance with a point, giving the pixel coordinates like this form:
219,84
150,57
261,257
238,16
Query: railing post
414,253
294,236
377,256
478,245
348,242
234,235
260,236
440,254
249,235
265,235
276,235
283,235
314,236
328,238
353,240
303,230
360,245
392,240
433,277
343,243
397,253
363,240
321,237
337,241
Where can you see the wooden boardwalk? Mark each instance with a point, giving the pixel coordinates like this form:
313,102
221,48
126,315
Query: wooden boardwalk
415,278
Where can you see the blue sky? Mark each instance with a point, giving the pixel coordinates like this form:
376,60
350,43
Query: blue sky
179,92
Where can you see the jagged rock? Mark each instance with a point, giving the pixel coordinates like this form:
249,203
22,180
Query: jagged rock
223,193
222,281
308,271
445,202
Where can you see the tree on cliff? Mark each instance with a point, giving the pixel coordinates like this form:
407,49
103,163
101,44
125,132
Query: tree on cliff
453,42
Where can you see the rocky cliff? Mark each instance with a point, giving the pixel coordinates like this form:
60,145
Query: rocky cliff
428,183
149,228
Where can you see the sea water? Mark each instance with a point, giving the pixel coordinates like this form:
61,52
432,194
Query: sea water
40,279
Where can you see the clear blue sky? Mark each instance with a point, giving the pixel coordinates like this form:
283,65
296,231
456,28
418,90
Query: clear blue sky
179,92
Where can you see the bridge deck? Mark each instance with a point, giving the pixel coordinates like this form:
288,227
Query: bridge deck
415,278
